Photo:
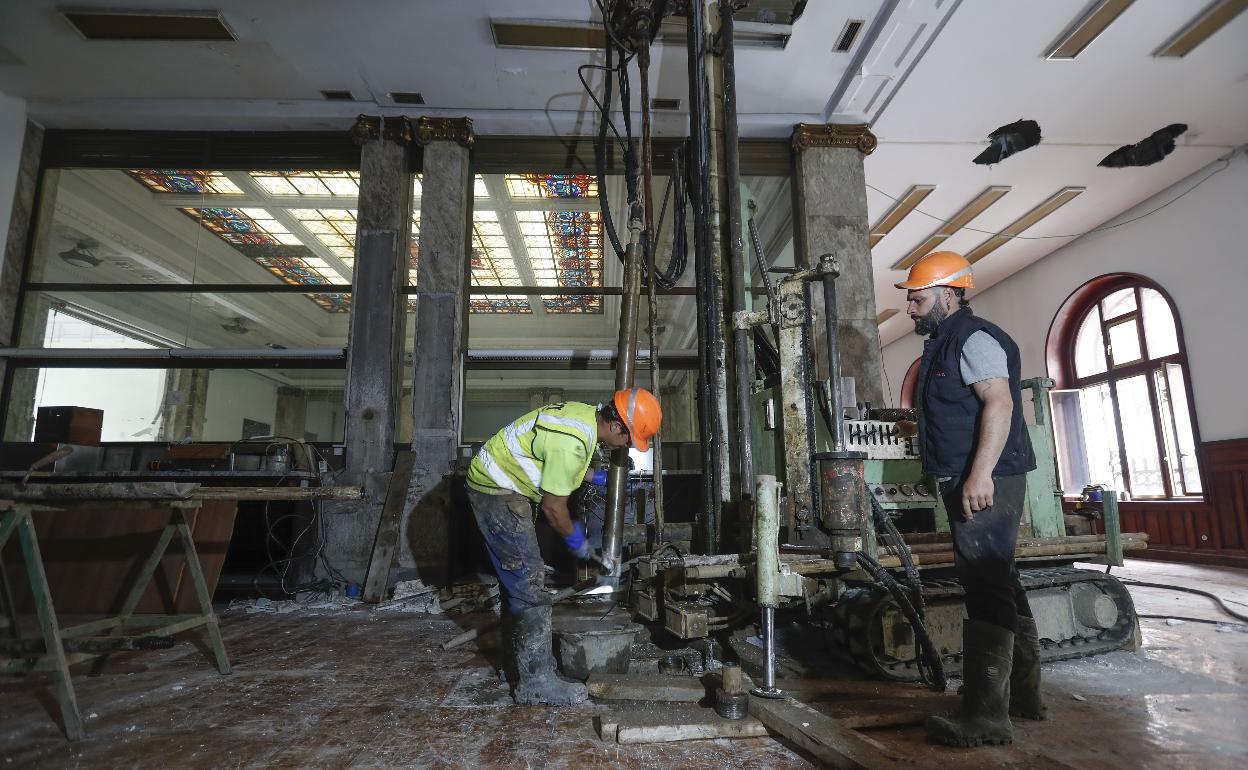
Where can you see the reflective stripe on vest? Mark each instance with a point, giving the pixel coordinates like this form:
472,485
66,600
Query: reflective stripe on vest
507,461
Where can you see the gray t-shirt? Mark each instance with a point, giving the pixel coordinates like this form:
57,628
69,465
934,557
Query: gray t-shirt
983,358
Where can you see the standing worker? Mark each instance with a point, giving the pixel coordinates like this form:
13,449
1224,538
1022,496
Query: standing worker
974,442
544,457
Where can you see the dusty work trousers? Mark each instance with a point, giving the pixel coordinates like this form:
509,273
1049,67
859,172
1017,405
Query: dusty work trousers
506,523
983,551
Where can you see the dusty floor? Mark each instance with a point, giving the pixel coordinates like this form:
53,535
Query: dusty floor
369,689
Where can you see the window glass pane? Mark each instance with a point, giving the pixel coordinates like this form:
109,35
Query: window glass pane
1185,437
1160,334
1100,436
1119,303
1124,342
177,404
1068,437
70,319
1090,347
1169,441
142,226
1139,433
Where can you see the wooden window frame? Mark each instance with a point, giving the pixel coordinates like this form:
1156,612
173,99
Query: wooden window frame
1061,360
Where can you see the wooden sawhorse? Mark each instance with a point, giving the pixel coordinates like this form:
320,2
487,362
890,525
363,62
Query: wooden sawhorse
65,647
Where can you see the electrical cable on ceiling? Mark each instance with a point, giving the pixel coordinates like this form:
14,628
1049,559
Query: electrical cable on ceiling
942,220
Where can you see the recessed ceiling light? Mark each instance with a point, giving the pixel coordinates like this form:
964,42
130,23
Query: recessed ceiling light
534,33
908,202
1053,203
1212,19
184,26
1088,28
955,223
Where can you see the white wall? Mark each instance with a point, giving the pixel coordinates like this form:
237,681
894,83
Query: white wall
12,131
1196,249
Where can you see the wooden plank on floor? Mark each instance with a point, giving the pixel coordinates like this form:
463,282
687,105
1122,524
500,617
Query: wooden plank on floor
651,687
667,723
387,539
829,740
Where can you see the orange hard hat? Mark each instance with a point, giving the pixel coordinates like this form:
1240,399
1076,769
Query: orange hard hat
940,268
641,414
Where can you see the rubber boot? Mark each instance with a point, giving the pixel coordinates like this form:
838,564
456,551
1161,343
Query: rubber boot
537,682
1025,674
984,714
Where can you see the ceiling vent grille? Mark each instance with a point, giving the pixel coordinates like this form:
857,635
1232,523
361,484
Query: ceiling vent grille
664,104
186,26
849,35
338,96
406,97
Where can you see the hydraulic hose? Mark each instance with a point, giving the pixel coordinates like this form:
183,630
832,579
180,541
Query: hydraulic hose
934,671
885,522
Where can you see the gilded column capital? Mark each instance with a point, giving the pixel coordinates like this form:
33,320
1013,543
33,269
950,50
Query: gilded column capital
370,128
366,129
845,136
458,130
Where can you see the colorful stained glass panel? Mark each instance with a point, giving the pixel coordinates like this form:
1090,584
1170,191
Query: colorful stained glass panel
184,181
564,249
552,185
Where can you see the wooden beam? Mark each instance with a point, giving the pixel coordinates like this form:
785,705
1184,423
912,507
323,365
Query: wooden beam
387,538
830,741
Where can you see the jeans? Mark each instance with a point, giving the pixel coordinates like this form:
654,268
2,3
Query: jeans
506,523
983,551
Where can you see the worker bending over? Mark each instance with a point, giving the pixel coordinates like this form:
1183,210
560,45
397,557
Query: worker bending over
975,443
543,457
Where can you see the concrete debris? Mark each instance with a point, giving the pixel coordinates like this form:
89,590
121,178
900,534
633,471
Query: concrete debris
1078,697
412,596
318,606
1174,622
477,596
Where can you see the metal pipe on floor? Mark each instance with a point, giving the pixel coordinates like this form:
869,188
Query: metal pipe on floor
766,574
709,327
740,336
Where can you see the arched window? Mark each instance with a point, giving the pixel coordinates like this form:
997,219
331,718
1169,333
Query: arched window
1124,416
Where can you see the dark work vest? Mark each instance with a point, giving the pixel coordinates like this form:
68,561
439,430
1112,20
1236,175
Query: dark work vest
949,410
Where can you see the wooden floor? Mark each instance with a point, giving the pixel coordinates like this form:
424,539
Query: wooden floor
360,688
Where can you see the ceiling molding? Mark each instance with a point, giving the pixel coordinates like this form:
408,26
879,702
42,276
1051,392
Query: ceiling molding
955,223
1053,203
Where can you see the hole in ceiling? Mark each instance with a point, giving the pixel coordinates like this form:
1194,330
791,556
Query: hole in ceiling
849,35
1148,150
338,96
658,103
406,97
149,25
1008,140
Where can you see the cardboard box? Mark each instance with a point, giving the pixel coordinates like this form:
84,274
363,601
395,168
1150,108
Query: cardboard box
69,425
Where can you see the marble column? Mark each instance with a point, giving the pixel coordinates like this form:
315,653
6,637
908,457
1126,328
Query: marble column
20,422
440,344
375,339
291,415
830,216
186,403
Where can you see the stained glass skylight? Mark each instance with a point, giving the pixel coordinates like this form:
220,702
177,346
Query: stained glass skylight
564,249
493,265
184,181
552,186
286,183
256,234
334,228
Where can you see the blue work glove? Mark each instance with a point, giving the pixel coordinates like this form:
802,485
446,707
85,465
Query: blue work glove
577,543
599,479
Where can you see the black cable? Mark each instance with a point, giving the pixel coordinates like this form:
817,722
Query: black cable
935,670
1214,597
1187,619
883,520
